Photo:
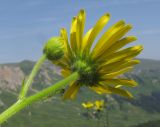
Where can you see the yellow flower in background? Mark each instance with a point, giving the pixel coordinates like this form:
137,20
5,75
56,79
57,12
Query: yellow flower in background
99,67
99,105
88,105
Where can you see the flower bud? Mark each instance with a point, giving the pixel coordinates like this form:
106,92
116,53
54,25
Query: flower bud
53,48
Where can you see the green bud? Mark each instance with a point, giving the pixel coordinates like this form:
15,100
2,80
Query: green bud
53,48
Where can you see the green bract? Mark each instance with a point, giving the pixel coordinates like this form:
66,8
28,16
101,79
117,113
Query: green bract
53,48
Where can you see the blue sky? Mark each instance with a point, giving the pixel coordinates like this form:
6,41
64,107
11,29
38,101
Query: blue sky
26,24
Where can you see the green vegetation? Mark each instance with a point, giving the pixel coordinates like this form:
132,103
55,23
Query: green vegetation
154,123
122,112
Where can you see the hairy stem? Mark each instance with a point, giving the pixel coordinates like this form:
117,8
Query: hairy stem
52,90
36,68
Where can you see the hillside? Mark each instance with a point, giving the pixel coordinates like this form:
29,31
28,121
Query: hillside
57,113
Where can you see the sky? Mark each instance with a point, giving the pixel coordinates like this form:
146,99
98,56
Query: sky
25,25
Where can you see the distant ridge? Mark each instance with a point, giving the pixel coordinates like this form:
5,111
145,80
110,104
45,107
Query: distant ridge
145,106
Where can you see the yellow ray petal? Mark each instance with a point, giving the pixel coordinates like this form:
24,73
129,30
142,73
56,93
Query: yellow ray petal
96,30
131,51
120,43
106,35
111,65
101,89
85,39
111,40
118,66
88,105
71,92
73,31
63,33
80,28
116,36
129,57
121,92
118,86
122,82
115,74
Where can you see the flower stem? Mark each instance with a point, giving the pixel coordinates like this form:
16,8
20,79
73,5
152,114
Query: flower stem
47,92
31,77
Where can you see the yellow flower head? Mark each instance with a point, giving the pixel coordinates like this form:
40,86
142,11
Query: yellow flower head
99,105
99,67
88,105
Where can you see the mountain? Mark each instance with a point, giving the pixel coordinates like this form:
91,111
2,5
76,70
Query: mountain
54,112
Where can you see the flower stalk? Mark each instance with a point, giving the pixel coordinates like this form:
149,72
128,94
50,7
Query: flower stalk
22,103
35,70
53,50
